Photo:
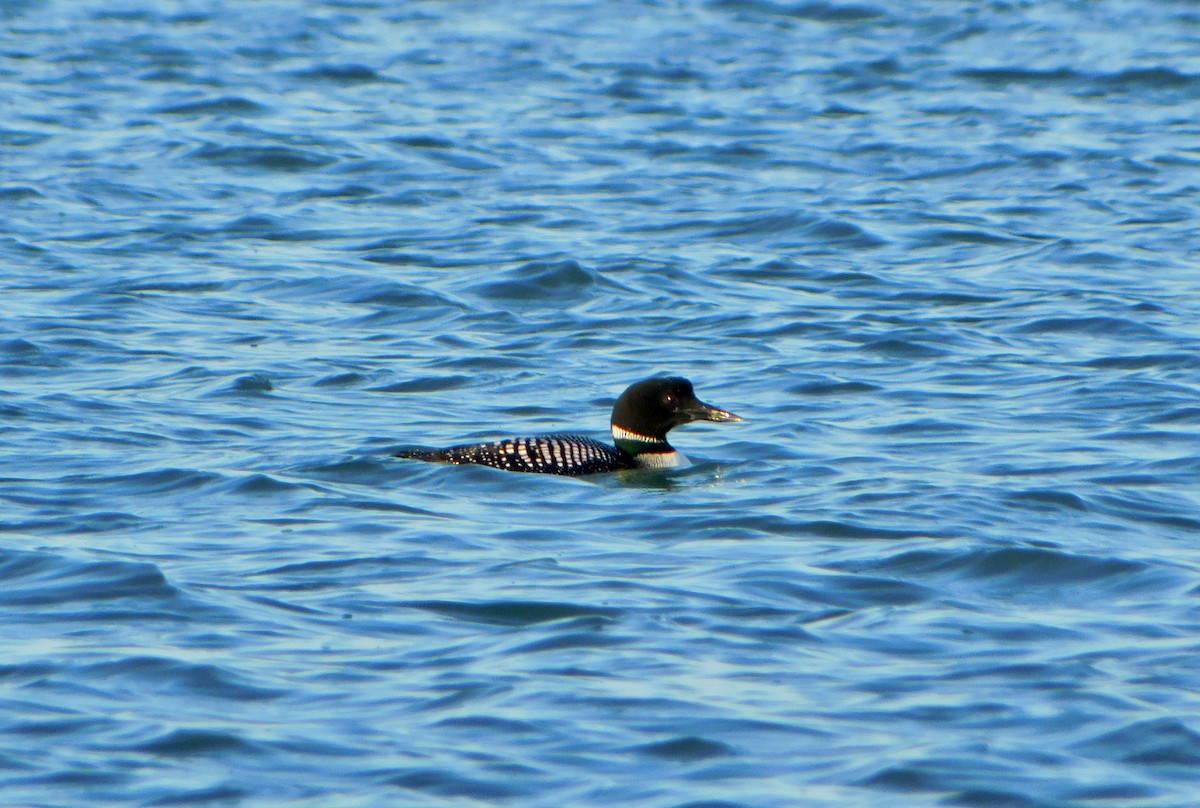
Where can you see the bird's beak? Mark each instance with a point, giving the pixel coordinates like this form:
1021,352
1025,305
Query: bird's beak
707,412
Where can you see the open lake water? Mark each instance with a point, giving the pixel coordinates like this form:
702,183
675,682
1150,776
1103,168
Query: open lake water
942,256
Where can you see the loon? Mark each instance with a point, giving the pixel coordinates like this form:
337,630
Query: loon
641,419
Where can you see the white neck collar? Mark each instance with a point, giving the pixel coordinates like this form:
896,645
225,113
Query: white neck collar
620,433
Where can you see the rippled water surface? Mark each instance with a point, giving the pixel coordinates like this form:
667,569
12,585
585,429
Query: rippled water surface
942,256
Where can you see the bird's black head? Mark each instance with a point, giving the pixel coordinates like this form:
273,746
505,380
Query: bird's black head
651,408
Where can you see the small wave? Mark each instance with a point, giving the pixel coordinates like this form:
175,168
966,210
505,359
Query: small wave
197,742
424,141
838,110
258,484
685,748
83,522
965,170
160,675
773,225
321,574
443,783
563,281
813,10
944,298
19,138
1049,499
445,152
1096,326
574,641
158,481
1020,75
212,795
1177,415
396,295
252,383
165,285
1148,507
1132,80
267,228
18,193
843,591
347,74
814,278
372,469
833,388
490,725
904,348
33,579
948,236
807,228
1153,742
1031,572
922,426
852,530
511,612
974,781
382,252
1150,78
352,191
1091,258
348,379
463,162
228,105
22,351
1170,361
426,384
266,158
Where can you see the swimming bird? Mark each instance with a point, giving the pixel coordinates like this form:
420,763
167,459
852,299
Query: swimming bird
641,419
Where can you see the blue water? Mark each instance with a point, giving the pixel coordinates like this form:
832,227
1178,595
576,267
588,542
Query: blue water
943,257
